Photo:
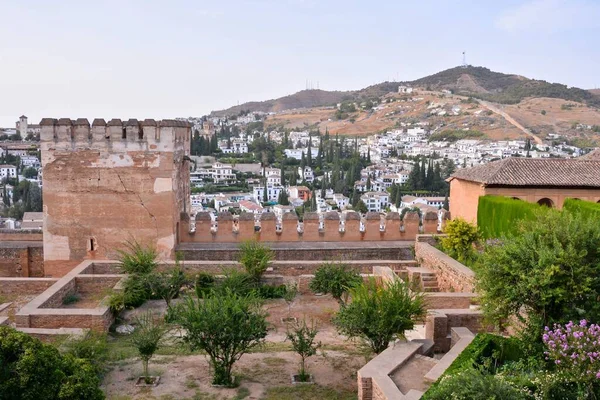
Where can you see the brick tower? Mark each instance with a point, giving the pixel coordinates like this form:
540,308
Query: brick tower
109,183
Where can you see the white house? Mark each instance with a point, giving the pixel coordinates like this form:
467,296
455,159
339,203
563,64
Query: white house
8,171
306,174
340,200
297,153
250,207
376,201
411,201
405,89
272,192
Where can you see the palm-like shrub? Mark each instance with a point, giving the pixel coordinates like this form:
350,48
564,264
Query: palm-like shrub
255,257
137,258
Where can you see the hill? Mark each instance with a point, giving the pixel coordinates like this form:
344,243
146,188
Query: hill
478,82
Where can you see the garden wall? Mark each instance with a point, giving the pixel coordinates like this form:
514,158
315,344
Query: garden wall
21,259
24,286
452,276
439,324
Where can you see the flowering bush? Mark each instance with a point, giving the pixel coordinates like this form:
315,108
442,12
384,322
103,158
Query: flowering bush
575,349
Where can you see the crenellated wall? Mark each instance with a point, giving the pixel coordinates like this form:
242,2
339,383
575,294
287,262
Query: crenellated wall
315,228
111,182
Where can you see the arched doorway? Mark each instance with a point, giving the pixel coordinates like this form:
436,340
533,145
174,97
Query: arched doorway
546,202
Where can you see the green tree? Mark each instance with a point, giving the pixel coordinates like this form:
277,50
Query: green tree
302,337
361,207
225,326
336,280
30,369
460,238
30,173
283,198
379,314
146,338
546,273
368,183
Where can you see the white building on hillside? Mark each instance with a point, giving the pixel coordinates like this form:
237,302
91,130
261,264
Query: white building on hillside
376,201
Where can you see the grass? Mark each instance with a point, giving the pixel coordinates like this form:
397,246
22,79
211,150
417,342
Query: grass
242,393
120,348
308,392
70,299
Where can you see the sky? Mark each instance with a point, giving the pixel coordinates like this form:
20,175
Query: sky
178,58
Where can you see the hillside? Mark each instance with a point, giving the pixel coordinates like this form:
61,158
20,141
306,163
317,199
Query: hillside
478,82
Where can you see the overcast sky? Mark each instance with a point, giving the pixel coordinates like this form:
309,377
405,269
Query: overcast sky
164,59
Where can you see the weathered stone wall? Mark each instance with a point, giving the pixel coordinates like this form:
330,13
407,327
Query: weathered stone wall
439,324
21,259
20,235
111,183
24,286
340,253
451,275
330,229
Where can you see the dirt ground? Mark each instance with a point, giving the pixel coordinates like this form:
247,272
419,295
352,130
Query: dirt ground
189,376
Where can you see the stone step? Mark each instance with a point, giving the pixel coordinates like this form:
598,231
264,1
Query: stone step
431,289
430,284
428,278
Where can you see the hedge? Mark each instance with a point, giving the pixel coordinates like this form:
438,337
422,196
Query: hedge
585,208
484,346
498,216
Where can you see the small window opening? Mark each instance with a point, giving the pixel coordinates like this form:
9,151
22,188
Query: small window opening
141,133
124,134
92,245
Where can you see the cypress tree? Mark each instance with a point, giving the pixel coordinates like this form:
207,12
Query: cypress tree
309,152
303,161
368,182
282,173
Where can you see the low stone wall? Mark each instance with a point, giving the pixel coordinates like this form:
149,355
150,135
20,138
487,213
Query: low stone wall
197,252
21,259
451,275
445,300
439,324
43,312
24,286
21,235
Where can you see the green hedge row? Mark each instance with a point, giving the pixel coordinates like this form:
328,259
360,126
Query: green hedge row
586,208
498,216
484,346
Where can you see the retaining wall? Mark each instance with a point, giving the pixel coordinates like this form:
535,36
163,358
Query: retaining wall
451,275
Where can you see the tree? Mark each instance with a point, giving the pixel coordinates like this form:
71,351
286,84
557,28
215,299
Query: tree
31,369
379,314
167,285
30,173
283,198
368,183
282,173
361,207
546,273
336,280
225,326
460,238
146,338
302,337
265,195
255,257
291,291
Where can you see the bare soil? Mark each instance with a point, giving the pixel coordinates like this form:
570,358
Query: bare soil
270,366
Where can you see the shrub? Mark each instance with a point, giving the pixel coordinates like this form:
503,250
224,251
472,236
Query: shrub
147,336
460,239
137,259
471,384
270,292
225,326
204,284
116,302
498,216
235,281
585,208
303,342
336,280
548,273
574,350
255,257
30,369
377,315
135,291
92,348
71,298
167,285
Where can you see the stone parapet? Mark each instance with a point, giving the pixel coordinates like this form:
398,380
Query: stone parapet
451,275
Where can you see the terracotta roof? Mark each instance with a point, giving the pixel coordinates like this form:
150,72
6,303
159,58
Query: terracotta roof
518,171
591,156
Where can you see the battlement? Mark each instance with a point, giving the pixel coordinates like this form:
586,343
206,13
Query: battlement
148,135
328,228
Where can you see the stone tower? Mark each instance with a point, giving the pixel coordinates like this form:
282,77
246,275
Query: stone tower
110,183
22,126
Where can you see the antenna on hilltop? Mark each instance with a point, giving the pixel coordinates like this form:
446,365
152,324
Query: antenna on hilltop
464,63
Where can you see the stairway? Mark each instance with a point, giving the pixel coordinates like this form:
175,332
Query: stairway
429,282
